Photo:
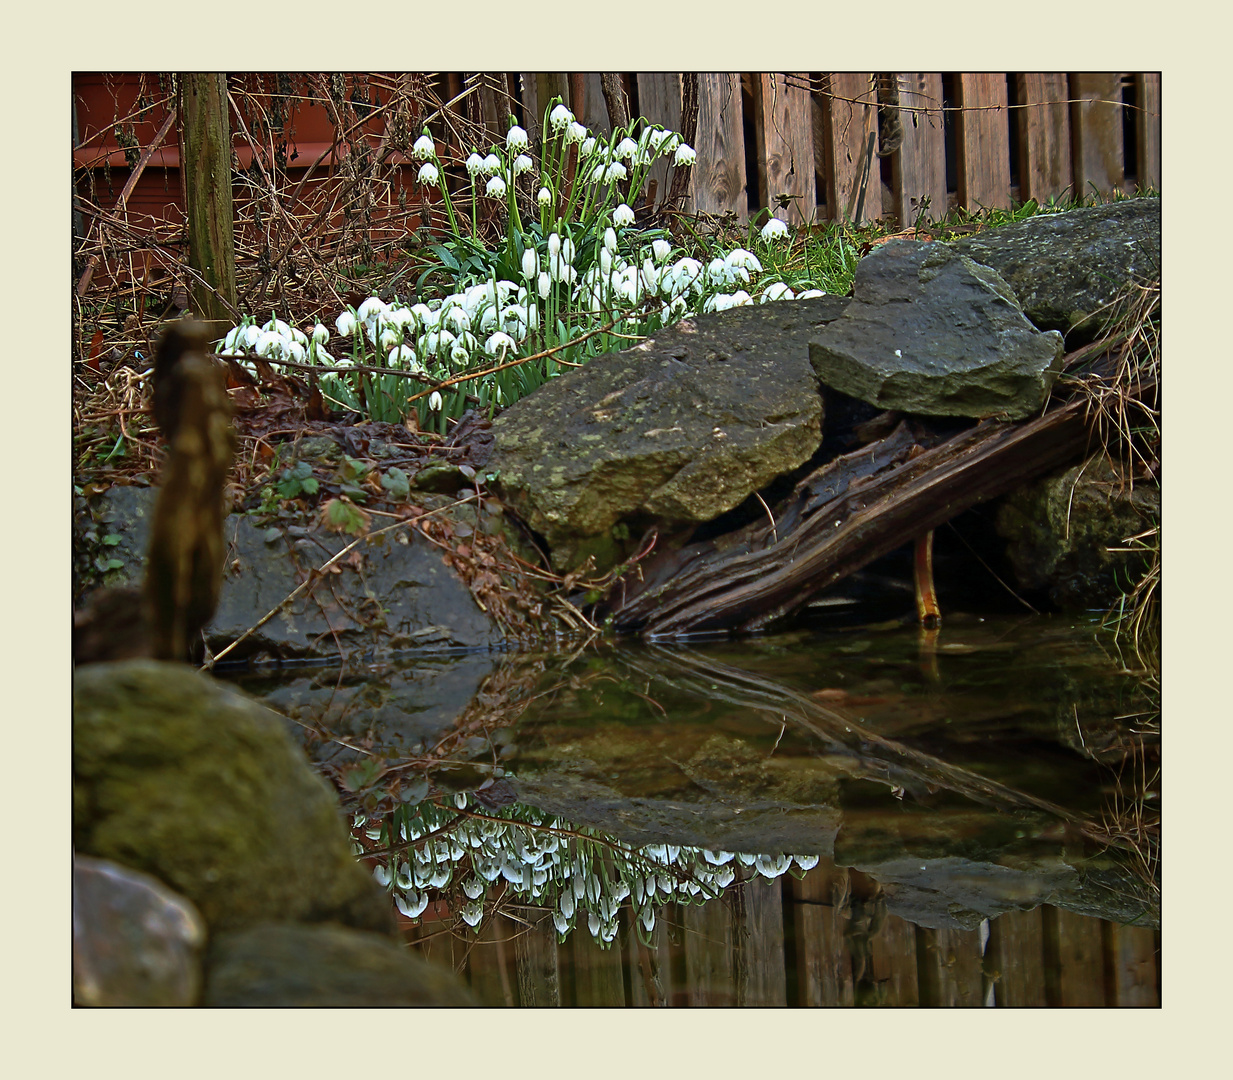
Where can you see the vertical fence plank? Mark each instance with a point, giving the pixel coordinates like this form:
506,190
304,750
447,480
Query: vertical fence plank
708,943
950,967
718,179
539,972
598,978
1080,958
1133,954
785,152
823,964
659,101
1044,136
531,111
849,115
761,973
1096,132
918,167
982,132
1147,124
1017,946
892,957
592,110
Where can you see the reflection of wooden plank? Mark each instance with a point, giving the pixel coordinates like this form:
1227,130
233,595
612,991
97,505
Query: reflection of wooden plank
982,136
598,979
539,975
1044,136
708,945
484,963
1080,957
893,960
1096,132
849,115
918,167
1147,123
1017,950
1134,951
762,976
824,967
950,967
718,180
659,101
785,152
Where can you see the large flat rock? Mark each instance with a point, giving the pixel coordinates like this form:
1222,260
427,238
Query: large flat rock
932,332
1067,269
679,429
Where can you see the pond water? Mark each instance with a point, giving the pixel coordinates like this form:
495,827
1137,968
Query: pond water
851,815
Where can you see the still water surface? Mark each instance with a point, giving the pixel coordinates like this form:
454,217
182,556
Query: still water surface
869,816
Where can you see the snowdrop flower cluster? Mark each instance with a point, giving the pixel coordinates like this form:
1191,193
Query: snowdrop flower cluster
584,881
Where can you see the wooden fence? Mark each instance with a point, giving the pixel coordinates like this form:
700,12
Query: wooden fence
813,147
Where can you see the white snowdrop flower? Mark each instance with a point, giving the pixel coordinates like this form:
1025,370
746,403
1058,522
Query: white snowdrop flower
495,188
434,401
429,174
544,197
474,164
674,852
774,230
412,905
342,361
296,352
620,891
741,298
522,163
615,171
373,832
230,342
650,276
473,887
299,337
588,147
390,336
622,216
661,137
688,275
560,922
656,852
610,240
277,326
441,877
250,336
567,903
725,876
810,294
404,880
544,285
597,174
560,118
401,317
374,305
500,343
459,353
455,319
489,869
648,918
575,133
530,263
806,862
554,244
460,801
516,140
492,165
777,290
626,148
684,155
472,913
320,334
424,147
745,859
568,250
661,249
605,262
593,923
717,858
425,317
746,259
382,874
270,345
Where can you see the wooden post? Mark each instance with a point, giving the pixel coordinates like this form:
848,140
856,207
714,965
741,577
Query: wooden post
659,101
1096,132
718,180
1016,949
1148,127
950,967
1044,136
598,977
823,964
849,117
708,942
1133,951
206,167
539,973
982,130
918,167
1079,975
785,147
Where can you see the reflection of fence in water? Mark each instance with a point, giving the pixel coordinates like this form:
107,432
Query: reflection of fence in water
824,940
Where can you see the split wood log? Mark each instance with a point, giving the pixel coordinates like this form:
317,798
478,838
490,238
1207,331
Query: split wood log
839,519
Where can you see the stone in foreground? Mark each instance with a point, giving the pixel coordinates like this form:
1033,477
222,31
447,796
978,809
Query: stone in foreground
279,966
1067,269
135,942
679,429
934,333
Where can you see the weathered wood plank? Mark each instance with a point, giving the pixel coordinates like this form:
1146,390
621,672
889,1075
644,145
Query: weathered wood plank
785,147
1148,127
761,974
849,117
598,978
950,967
918,167
1016,947
824,968
659,101
488,963
893,959
718,180
1096,132
539,972
1077,944
592,110
1133,951
1044,136
708,941
982,133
